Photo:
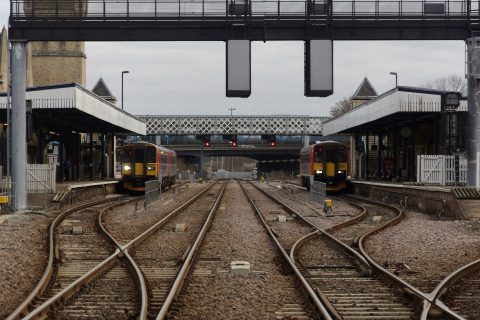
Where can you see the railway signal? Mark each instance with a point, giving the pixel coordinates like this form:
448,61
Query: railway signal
206,141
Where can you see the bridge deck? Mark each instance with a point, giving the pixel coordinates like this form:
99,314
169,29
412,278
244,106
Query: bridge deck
219,20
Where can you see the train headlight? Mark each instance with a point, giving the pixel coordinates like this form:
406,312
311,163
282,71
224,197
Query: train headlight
340,171
127,167
319,171
150,168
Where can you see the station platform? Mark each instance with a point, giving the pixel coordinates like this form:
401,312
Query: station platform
70,185
441,201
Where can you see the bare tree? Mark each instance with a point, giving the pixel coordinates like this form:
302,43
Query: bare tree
340,107
452,82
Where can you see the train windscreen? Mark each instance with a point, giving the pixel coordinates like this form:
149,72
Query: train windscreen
139,155
330,154
127,154
151,155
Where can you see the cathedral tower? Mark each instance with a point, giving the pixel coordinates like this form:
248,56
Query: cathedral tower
56,62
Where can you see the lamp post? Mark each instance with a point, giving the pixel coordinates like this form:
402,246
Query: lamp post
231,111
123,73
396,78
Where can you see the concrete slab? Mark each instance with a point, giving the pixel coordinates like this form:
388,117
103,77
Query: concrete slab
470,208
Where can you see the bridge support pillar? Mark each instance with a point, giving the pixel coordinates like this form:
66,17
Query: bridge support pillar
19,124
306,141
239,66
473,76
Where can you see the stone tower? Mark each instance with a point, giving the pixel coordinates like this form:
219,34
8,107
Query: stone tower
56,62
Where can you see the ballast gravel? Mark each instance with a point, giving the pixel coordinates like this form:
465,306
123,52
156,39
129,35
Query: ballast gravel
423,250
23,255
125,223
212,291
300,200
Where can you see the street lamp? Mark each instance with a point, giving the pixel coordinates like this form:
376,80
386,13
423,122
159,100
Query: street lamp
396,78
123,73
231,111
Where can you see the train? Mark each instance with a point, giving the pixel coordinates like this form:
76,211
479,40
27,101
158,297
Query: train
144,161
326,162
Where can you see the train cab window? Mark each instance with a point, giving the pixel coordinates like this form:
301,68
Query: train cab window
341,156
330,154
318,155
151,154
139,155
127,155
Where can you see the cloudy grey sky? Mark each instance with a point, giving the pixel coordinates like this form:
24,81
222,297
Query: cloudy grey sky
189,77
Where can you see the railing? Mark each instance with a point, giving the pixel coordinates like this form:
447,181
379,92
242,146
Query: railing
442,170
161,10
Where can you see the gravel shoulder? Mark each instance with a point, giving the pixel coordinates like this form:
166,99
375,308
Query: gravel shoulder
431,249
23,256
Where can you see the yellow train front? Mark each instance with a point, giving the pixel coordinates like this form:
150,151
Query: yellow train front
327,162
143,161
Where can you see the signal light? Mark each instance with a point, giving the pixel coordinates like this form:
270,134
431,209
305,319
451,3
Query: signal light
271,141
206,141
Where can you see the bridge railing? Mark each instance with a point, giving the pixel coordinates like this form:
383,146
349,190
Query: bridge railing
227,9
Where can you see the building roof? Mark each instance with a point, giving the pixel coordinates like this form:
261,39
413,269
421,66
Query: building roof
80,108
401,102
365,91
103,91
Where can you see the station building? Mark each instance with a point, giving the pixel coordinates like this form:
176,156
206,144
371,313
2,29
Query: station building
73,127
391,130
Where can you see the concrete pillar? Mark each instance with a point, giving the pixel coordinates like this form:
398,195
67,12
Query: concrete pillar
367,154
306,141
473,76
18,125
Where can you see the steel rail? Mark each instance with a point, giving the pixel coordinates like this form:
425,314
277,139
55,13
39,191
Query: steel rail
441,288
363,263
430,299
41,312
361,245
164,220
371,262
105,265
42,284
187,264
311,293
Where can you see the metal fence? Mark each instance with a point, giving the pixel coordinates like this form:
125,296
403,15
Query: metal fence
152,191
318,191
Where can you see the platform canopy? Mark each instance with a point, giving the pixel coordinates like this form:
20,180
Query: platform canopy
394,106
76,107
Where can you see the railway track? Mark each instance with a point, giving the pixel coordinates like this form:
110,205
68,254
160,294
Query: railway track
167,255
453,297
349,285
113,288
75,245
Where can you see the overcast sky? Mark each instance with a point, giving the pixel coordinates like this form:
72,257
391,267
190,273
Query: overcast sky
189,77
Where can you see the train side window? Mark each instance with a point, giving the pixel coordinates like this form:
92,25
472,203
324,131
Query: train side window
318,155
151,154
139,155
127,155
342,154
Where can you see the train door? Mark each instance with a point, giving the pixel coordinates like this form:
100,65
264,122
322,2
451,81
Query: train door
139,159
